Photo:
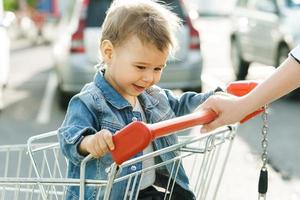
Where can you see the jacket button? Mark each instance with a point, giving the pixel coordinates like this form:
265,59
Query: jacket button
133,168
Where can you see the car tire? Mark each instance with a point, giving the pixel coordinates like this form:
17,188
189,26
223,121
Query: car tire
240,66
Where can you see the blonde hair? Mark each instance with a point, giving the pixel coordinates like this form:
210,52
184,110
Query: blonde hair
149,20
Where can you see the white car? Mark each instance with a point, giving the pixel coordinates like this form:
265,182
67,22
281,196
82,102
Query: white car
76,49
4,54
5,20
264,31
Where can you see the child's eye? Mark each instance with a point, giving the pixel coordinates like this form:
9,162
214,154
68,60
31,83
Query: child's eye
157,69
140,67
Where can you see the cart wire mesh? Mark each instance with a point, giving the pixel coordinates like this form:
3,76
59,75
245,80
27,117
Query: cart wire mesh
38,170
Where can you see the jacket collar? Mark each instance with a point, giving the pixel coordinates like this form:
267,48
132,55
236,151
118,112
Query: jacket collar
147,100
117,100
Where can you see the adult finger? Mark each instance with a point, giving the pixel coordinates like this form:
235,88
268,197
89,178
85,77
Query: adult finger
205,105
209,104
211,126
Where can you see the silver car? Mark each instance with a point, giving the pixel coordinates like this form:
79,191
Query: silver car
263,31
76,50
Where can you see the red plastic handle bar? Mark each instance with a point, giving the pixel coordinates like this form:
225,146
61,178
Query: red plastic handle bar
176,124
241,88
137,135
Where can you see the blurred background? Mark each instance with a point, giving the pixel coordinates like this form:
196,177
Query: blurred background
49,49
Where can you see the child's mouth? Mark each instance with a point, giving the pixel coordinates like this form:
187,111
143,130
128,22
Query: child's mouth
138,88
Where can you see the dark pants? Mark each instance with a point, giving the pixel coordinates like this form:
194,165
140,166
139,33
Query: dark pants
151,193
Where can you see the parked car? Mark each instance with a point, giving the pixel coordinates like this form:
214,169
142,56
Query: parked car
264,31
4,50
6,19
76,50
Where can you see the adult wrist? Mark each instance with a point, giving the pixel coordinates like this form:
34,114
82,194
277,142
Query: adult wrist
245,105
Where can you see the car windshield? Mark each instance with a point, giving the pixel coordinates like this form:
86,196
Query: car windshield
293,3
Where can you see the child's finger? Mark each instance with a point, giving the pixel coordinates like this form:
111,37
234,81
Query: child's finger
96,151
96,147
102,144
108,139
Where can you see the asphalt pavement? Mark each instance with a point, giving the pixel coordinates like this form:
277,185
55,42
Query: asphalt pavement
240,180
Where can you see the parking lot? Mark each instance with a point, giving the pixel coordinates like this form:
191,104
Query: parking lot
31,108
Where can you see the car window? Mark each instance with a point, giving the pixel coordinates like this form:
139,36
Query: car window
266,6
96,12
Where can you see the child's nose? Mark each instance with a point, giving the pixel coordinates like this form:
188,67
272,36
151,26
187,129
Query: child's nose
148,76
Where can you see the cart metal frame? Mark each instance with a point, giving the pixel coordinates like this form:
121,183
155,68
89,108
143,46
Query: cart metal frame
204,158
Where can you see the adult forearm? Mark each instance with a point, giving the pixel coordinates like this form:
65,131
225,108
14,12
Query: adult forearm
285,79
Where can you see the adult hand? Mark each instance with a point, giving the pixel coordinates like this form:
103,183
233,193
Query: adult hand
228,107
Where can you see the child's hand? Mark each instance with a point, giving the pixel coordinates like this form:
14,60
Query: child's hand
98,144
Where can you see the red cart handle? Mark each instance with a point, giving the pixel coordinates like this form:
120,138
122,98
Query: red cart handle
137,135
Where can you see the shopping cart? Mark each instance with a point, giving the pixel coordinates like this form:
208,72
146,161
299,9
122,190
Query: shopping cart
38,170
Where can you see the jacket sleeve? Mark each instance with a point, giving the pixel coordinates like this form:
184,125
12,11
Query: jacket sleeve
79,122
187,102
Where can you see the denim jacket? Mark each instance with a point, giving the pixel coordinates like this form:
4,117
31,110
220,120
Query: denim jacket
99,106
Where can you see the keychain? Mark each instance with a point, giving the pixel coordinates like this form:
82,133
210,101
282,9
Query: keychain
263,177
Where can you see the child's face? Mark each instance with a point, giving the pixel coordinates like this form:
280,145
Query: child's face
133,66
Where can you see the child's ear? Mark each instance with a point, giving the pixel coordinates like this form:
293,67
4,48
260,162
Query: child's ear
107,49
